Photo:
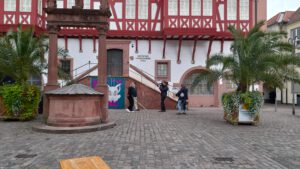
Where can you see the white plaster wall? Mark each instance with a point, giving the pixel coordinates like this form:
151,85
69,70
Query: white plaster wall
80,58
177,70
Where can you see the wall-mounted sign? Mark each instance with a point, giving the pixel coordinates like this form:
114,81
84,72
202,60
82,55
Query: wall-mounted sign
143,58
116,91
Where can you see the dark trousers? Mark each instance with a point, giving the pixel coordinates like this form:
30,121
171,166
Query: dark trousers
131,103
162,103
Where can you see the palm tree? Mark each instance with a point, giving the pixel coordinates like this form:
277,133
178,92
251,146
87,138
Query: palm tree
256,57
22,54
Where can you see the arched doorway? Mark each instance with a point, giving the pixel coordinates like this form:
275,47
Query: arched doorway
200,95
114,63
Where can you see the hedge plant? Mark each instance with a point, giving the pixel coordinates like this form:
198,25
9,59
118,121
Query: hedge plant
21,101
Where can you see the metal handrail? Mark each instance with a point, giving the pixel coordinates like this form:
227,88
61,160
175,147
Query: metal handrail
74,71
154,86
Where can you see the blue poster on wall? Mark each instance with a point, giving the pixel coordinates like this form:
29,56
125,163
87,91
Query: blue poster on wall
116,91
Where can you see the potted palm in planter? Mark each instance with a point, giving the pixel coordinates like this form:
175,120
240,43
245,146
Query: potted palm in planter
257,58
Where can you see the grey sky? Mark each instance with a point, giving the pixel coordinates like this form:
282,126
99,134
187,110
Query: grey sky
276,6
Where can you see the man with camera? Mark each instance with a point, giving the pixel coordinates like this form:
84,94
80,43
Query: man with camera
163,87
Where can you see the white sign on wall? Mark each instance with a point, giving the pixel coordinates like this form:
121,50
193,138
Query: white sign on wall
143,58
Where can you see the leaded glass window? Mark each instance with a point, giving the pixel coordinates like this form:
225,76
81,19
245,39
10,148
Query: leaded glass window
143,9
207,7
184,7
231,10
40,7
201,88
130,9
196,7
87,4
70,3
25,5
9,5
173,7
244,9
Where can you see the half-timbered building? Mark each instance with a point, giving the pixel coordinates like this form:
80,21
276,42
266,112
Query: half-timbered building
148,40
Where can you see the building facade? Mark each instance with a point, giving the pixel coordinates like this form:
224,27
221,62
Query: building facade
289,22
148,40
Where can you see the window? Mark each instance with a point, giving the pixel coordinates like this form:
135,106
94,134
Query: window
196,7
87,4
97,5
65,65
200,89
295,33
35,80
244,9
184,7
143,9
114,62
9,5
162,70
60,3
130,9
231,9
40,7
25,5
207,7
70,3
173,7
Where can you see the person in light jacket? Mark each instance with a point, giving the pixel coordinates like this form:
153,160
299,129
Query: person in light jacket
182,95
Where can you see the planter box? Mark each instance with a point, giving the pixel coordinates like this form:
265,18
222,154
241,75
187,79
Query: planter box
241,116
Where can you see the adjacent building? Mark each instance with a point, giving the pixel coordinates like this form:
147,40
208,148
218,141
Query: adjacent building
148,41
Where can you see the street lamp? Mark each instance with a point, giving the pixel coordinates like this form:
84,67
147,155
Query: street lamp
294,42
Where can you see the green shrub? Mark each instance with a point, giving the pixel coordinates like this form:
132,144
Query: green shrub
252,101
21,101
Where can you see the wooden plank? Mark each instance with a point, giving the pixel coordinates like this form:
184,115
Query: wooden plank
93,162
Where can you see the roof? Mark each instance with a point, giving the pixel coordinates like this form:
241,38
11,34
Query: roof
295,17
281,17
74,89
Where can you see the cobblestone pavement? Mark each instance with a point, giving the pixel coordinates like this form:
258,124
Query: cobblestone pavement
150,139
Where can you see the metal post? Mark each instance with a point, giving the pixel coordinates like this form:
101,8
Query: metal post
293,93
293,40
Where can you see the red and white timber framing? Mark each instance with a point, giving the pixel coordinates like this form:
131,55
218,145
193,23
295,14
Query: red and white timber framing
158,25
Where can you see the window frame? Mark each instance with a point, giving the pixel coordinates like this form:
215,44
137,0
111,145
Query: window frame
71,64
244,10
207,11
143,6
168,76
130,12
196,11
11,3
25,7
232,10
174,11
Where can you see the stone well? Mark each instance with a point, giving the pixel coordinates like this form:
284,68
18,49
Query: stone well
75,105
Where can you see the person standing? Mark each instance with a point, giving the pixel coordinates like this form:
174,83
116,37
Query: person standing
163,87
182,95
136,108
130,95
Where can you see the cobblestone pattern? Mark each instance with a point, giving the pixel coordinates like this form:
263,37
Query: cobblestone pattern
153,140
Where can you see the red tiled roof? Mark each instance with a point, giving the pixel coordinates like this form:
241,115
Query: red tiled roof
280,17
295,17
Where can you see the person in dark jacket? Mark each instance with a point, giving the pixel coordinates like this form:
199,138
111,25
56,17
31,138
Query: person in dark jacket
182,95
163,87
131,93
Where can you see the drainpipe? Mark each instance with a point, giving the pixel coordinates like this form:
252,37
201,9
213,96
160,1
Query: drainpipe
255,12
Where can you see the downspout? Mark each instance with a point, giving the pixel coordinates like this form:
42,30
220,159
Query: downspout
255,12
